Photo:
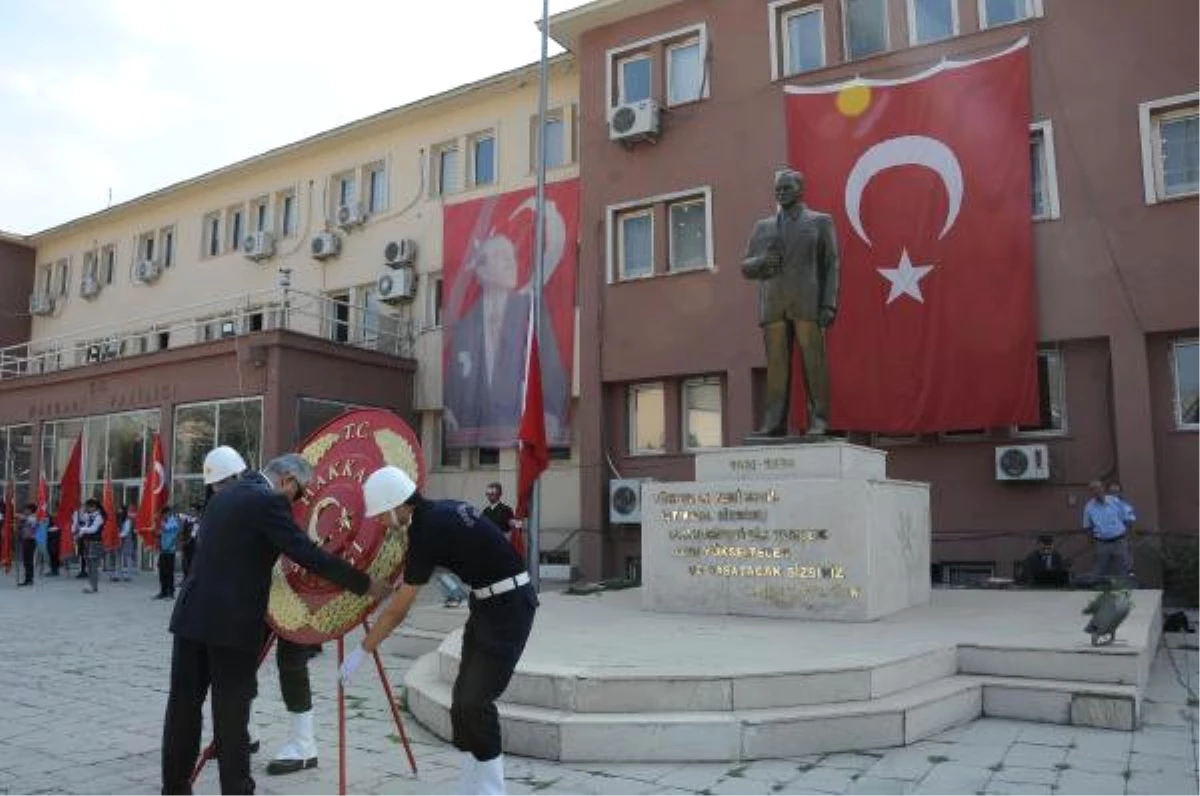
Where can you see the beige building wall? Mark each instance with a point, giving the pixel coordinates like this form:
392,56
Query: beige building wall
198,287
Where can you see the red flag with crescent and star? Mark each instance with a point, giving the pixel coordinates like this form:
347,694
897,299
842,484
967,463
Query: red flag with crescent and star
928,182
154,497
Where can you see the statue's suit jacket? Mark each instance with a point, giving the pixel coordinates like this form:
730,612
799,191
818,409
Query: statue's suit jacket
808,280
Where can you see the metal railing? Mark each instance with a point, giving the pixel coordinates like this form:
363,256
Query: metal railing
373,328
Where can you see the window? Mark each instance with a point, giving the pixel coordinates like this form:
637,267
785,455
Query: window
633,79
345,190
1186,374
447,457
285,203
483,159
90,265
338,310
1170,135
312,413
377,187
798,38
866,24
145,247
449,171
1052,403
702,413
685,72
635,243
647,419
212,231
166,246
637,247
1002,12
108,264
433,310
16,459
1044,182
45,279
199,428
235,216
487,458
559,136
689,235
932,20
260,214
63,278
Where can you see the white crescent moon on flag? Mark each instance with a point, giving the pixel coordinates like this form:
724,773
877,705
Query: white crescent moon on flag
555,241
905,150
160,477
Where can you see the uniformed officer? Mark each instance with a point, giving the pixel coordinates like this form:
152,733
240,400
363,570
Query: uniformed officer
454,535
220,617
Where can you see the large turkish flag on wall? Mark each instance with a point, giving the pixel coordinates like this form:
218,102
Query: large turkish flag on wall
928,181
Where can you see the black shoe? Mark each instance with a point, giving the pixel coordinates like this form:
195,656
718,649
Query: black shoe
159,597
81,575
254,746
276,767
25,583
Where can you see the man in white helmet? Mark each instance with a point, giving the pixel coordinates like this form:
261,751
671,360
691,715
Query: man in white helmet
452,534
219,621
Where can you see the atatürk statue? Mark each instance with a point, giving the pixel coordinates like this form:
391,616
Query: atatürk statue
794,256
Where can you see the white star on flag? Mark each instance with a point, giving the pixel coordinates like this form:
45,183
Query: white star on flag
905,279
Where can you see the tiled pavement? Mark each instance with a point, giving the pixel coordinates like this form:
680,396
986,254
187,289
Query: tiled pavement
83,683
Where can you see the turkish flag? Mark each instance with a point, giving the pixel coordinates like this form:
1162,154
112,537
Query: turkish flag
533,456
69,489
110,534
6,528
928,183
154,497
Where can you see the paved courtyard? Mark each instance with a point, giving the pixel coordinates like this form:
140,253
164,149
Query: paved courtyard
83,685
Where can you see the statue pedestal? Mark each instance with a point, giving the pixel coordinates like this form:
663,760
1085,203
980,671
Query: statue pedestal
807,531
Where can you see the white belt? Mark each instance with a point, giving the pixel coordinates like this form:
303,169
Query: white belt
501,586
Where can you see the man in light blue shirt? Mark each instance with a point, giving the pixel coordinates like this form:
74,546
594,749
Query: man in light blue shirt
1108,520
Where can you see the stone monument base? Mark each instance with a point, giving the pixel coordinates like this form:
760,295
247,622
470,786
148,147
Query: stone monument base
603,680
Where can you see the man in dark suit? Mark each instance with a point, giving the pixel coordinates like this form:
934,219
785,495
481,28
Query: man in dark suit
1045,566
793,255
220,616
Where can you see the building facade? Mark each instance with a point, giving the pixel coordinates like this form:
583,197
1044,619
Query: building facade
1113,160
247,306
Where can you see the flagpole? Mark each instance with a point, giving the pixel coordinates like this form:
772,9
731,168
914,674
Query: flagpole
534,521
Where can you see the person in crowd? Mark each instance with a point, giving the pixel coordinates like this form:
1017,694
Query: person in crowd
168,544
1045,566
1108,521
127,549
88,526
27,534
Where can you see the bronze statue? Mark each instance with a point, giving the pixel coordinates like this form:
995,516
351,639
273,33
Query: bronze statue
793,254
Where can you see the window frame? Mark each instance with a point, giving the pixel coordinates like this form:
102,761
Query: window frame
1058,373
433,310
887,33
62,269
473,142
1149,117
235,227
651,47
1176,407
648,58
437,155
708,221
375,175
913,41
631,417
1033,10
779,13
166,245
212,238
106,264
283,200
614,251
684,427
1045,129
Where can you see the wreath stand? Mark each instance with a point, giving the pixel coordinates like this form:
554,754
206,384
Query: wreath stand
211,750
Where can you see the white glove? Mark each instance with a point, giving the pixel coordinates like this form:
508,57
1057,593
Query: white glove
351,664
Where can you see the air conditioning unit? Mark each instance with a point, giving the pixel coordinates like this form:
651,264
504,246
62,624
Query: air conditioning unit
625,501
350,215
89,287
147,271
325,245
400,252
396,285
258,245
1022,463
41,304
634,121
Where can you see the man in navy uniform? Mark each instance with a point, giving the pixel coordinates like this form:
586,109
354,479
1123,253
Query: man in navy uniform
220,616
452,534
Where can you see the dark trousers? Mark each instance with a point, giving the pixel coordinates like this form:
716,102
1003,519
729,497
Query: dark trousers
292,660
81,557
28,548
232,674
188,549
166,574
777,339
493,641
53,540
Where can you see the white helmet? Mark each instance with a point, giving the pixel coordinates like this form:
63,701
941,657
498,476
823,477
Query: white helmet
385,489
221,463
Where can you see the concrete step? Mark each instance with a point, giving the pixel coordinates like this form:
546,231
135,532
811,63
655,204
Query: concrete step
709,735
599,689
1109,707
409,642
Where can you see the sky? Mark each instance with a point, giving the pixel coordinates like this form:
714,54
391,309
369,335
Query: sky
129,96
